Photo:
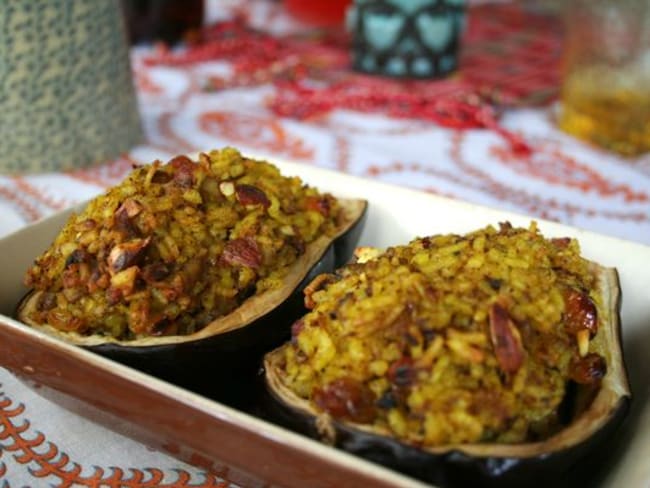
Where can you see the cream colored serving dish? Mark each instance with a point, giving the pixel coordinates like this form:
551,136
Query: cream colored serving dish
255,450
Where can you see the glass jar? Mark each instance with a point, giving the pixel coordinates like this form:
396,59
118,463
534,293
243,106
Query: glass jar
605,93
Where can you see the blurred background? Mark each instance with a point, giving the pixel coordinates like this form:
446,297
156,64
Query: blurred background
540,107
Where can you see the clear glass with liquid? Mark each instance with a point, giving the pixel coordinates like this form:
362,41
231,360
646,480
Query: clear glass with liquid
605,93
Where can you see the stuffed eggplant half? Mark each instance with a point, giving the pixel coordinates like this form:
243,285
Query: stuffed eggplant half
188,262
463,360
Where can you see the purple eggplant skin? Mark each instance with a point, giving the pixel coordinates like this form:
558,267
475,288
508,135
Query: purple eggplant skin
570,466
574,456
457,468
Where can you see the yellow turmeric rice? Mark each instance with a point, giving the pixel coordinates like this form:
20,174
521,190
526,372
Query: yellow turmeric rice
176,245
451,338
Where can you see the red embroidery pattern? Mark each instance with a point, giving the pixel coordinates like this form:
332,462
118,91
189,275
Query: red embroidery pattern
512,53
496,57
44,459
513,69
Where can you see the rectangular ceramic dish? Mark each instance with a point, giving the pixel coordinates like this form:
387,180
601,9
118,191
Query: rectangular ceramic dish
254,451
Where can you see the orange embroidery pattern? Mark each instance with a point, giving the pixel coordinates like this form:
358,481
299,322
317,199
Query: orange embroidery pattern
535,204
22,204
106,175
145,84
342,153
38,195
260,132
470,177
27,447
171,142
554,166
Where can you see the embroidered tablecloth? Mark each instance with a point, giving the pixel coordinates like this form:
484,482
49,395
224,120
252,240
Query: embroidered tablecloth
515,159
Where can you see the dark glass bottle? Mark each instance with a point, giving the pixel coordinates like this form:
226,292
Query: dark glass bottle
169,21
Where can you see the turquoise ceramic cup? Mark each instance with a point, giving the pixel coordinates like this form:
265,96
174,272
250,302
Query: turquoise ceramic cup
406,38
66,92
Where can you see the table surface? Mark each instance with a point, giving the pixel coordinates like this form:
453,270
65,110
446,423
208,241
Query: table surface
562,179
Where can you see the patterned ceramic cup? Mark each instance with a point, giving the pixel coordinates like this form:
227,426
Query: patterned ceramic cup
66,91
406,38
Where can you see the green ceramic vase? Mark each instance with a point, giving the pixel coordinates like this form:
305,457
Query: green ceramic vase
66,91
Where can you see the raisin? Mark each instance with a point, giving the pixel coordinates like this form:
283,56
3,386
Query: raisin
320,204
161,177
588,370
580,312
77,256
155,272
495,283
402,373
346,398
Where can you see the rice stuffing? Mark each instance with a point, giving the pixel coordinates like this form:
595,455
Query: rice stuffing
177,245
452,338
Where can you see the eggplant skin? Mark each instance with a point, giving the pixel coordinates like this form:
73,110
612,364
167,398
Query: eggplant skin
569,458
456,468
235,347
